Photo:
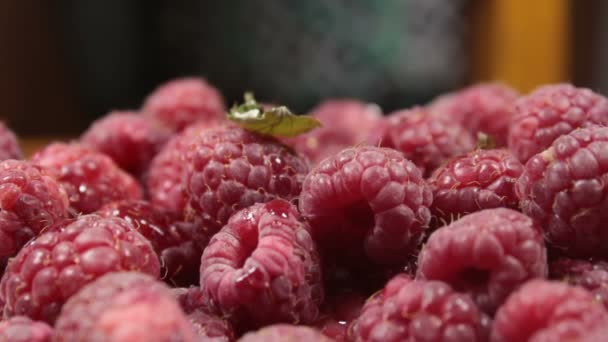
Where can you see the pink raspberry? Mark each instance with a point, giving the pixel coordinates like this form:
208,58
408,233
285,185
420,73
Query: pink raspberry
544,311
56,264
481,179
23,329
30,201
9,145
420,311
426,140
263,268
91,179
486,254
481,108
184,101
230,169
589,274
338,312
130,139
564,189
346,123
285,333
551,111
179,245
123,307
367,199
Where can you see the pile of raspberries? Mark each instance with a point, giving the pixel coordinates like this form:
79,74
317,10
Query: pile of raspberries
481,216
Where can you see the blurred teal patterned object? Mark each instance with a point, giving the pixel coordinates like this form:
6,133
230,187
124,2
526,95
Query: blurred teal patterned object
393,52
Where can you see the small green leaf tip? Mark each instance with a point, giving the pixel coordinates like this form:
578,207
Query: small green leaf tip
277,121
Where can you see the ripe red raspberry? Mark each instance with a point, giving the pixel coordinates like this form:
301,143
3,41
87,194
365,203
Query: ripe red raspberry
184,101
420,311
481,179
179,245
551,111
367,199
263,268
165,177
338,312
123,307
30,201
589,274
486,254
285,333
481,108
57,263
346,123
130,139
23,329
426,140
564,189
9,145
548,311
230,169
91,179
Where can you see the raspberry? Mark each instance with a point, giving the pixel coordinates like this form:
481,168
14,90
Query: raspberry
128,138
420,311
482,179
486,254
164,180
22,329
30,201
426,140
482,108
339,311
589,274
263,268
91,179
57,263
367,199
564,190
284,333
342,120
179,245
548,311
123,307
9,146
182,102
230,169
551,111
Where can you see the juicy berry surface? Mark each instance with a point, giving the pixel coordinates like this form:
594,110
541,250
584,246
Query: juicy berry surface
338,313
9,145
589,274
284,333
23,329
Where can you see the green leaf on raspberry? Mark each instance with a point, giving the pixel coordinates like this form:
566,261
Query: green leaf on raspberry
276,121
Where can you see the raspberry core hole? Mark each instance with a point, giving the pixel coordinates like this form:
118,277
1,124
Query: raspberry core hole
359,215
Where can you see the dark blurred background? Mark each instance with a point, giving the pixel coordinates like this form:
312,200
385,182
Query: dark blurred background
65,63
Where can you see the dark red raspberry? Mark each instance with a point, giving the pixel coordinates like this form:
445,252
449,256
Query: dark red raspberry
123,307
486,254
9,145
30,201
23,329
565,189
57,263
346,123
548,311
184,101
481,179
91,179
263,268
165,177
230,169
285,333
481,108
420,311
589,274
426,140
337,314
179,245
551,111
130,139
367,199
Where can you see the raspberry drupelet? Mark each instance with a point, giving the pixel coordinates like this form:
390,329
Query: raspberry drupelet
23,329
589,274
91,179
59,262
284,333
9,145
